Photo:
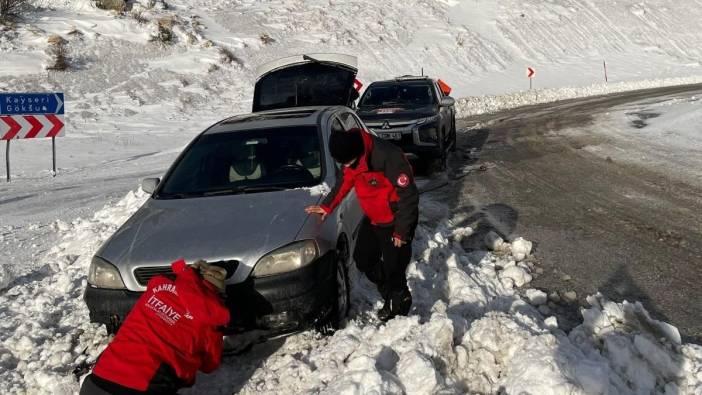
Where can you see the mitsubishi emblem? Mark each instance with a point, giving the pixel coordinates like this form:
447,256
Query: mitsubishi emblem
386,125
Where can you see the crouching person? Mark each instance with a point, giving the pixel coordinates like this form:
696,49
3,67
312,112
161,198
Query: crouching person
171,332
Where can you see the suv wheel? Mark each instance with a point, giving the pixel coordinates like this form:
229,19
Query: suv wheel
443,152
453,135
341,308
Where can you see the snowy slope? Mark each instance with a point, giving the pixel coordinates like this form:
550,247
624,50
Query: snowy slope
133,103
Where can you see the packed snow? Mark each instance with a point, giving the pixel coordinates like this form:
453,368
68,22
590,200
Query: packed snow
469,331
142,84
666,134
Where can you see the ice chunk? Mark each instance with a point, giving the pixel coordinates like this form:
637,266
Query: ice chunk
417,373
521,248
516,274
536,297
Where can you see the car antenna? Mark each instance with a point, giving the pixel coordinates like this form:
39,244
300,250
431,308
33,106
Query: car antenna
422,71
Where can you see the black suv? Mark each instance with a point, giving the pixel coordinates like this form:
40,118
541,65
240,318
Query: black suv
414,113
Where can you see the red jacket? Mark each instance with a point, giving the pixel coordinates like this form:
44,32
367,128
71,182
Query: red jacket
384,186
170,334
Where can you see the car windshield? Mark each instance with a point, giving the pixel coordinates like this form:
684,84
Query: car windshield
245,162
403,94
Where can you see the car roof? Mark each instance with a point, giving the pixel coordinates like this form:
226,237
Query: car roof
405,78
297,116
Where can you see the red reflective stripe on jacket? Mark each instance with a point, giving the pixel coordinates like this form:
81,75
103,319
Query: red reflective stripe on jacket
173,323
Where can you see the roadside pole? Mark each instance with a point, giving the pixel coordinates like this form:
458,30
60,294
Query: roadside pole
530,75
7,160
53,155
604,64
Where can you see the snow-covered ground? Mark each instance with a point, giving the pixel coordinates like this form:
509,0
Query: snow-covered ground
666,133
133,102
469,330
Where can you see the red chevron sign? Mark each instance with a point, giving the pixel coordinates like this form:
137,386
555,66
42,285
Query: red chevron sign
530,72
30,126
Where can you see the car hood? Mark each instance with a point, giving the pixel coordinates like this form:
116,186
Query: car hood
306,80
395,113
241,227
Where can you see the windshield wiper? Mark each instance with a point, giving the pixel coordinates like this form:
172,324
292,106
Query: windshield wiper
177,195
249,189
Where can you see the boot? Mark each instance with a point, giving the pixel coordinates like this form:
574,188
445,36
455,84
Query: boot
399,303
384,312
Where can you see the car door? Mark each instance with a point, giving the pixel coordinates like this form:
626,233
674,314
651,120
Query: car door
351,212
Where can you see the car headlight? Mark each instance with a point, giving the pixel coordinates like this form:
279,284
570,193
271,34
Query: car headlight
103,274
427,120
285,259
428,135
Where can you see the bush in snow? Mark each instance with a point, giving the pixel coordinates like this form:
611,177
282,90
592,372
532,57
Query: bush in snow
266,39
164,31
114,5
58,54
139,16
226,56
11,7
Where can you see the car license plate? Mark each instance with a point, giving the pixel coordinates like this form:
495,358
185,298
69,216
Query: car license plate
391,135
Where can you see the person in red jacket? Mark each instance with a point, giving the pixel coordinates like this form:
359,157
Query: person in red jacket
172,331
384,184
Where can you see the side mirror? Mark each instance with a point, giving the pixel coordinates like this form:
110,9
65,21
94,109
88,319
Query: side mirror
447,101
149,184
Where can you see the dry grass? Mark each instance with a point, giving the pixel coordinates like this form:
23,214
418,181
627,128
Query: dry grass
10,8
226,56
165,33
266,39
58,53
74,32
114,5
139,16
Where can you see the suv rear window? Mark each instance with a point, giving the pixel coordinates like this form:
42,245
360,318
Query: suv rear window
405,94
247,161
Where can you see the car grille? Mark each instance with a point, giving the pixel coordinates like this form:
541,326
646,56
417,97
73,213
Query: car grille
144,274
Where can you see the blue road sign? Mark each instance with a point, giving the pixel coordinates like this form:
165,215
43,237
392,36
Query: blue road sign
31,103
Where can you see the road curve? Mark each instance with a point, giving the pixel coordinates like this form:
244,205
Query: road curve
645,244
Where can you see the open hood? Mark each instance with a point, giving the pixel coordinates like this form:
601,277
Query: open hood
306,80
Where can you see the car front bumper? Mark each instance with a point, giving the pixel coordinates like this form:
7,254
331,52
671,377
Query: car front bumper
275,304
284,302
410,143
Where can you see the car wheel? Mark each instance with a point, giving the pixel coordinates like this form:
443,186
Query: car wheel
443,154
454,143
113,326
341,308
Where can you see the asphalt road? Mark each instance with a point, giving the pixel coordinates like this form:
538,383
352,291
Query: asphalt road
541,184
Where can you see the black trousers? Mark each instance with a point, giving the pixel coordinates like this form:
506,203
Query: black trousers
377,257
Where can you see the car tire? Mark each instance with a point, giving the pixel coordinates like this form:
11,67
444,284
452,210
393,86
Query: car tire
443,152
454,144
340,309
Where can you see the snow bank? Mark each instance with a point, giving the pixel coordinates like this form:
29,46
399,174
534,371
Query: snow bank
44,327
470,331
487,104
